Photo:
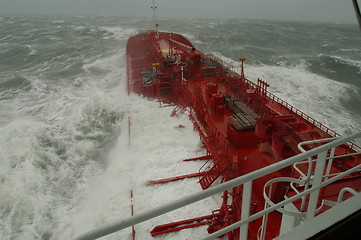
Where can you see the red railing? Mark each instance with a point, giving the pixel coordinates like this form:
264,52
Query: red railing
298,112
303,115
239,88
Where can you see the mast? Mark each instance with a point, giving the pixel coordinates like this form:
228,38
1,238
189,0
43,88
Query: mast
357,10
242,59
156,25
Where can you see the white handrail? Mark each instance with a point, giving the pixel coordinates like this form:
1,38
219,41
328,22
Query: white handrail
276,206
146,215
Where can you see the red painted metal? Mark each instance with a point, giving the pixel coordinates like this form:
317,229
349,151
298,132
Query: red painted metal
132,211
242,125
172,179
198,158
184,224
129,132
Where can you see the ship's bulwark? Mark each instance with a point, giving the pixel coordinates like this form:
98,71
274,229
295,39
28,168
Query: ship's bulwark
64,107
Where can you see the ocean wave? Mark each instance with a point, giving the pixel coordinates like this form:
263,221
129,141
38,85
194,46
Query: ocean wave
15,82
337,68
13,85
352,50
40,177
58,21
50,162
120,33
318,96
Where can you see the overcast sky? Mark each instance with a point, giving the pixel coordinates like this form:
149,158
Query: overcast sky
340,11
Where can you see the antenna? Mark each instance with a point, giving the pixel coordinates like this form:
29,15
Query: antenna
156,25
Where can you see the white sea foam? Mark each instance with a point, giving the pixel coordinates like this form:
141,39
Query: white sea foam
192,38
121,33
32,50
22,197
356,63
58,21
50,156
156,150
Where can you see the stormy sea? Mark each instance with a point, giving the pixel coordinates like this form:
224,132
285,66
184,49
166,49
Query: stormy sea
74,145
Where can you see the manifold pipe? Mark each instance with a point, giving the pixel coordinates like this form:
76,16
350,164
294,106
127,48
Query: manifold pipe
152,213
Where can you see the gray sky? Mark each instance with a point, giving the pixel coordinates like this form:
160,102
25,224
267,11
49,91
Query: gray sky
339,11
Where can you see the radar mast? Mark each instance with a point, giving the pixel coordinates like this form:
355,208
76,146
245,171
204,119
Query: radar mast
156,25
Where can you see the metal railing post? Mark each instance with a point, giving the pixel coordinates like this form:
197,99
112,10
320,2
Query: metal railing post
317,180
246,204
330,161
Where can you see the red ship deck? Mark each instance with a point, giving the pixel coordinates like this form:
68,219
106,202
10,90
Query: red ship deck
243,126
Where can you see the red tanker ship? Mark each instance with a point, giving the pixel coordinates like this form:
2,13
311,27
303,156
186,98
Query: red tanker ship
244,128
